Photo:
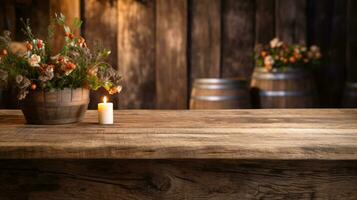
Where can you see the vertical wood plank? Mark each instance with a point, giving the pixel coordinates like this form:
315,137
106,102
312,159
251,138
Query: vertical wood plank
136,53
205,38
264,21
291,20
352,41
238,38
71,9
101,25
171,55
319,27
335,79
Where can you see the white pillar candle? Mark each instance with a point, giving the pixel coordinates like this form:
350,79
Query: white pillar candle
105,112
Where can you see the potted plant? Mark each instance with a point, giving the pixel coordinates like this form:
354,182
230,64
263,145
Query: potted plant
282,77
54,86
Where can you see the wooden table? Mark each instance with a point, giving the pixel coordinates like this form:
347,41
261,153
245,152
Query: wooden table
240,154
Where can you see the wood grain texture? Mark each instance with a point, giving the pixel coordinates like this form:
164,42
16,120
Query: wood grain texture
101,25
205,39
336,68
136,53
351,41
264,21
71,9
291,21
171,55
237,38
216,134
177,179
320,15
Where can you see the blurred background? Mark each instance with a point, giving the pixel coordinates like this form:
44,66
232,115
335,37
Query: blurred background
162,46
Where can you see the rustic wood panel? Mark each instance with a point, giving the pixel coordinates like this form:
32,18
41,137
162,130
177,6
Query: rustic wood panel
101,25
264,21
319,28
205,39
291,21
136,53
36,11
69,8
177,179
336,68
220,134
171,54
237,38
8,16
351,41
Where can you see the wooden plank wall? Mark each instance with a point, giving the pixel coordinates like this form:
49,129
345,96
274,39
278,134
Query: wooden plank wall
161,46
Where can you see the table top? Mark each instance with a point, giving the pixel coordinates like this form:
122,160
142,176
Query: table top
288,134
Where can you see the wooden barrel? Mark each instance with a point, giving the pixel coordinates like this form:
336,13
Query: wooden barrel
292,88
213,93
350,96
57,107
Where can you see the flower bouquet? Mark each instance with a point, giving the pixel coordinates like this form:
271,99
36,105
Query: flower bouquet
278,56
282,77
54,86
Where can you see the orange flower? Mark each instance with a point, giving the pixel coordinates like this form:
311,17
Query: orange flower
29,46
264,53
33,86
114,90
292,59
4,52
70,36
70,66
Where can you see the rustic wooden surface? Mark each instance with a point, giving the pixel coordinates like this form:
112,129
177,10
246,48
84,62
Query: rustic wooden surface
177,179
136,53
264,21
237,38
218,134
171,55
205,39
291,21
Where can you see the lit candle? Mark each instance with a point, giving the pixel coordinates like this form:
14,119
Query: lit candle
105,112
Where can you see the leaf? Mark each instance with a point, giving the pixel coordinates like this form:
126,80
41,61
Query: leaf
67,29
77,23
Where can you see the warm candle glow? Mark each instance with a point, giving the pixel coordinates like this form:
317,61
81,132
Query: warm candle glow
105,112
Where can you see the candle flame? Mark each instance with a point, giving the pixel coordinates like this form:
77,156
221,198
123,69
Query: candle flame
105,99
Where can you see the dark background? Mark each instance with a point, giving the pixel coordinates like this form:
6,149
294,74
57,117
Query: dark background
160,46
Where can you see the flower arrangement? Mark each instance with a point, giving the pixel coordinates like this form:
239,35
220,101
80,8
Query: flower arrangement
38,68
279,56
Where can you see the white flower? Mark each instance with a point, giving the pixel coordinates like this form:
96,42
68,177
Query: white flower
34,60
314,49
268,61
275,43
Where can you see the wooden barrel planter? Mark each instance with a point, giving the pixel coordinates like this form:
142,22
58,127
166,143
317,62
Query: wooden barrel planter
292,88
57,107
213,93
350,96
